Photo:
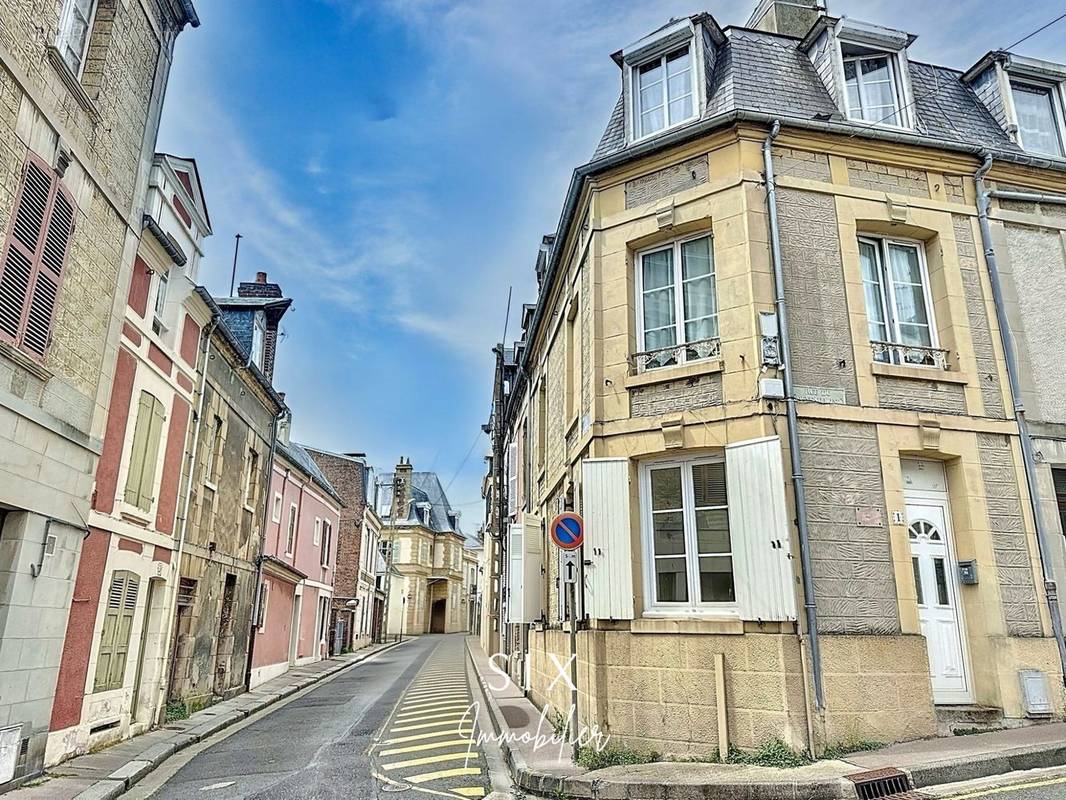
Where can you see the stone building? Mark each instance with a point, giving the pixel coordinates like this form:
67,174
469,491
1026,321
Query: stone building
226,475
651,395
299,564
114,656
82,88
421,529
352,622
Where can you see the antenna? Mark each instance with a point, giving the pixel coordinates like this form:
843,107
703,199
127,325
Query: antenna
506,317
233,275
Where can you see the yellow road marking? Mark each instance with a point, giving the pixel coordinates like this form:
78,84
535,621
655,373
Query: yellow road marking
431,708
458,772
418,736
427,705
1015,788
419,748
455,720
423,717
457,689
421,762
470,791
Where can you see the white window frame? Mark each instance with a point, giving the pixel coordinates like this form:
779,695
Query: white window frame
66,19
692,608
899,90
634,90
291,529
888,296
679,294
162,283
318,531
1054,91
275,513
264,599
259,340
327,542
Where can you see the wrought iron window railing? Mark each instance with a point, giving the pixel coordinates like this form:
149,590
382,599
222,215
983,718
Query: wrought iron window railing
675,354
909,355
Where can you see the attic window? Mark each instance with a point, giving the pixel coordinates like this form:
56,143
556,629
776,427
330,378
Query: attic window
663,91
874,87
1040,122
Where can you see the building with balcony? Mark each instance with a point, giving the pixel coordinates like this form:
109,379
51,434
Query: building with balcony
768,365
84,83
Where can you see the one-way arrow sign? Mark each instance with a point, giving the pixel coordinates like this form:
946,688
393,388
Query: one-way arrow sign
569,566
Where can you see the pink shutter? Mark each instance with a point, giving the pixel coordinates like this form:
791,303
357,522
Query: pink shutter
34,255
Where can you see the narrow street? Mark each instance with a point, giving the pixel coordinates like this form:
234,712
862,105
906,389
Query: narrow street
1046,789
394,725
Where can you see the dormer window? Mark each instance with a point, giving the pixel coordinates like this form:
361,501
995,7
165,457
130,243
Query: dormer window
258,340
664,93
874,88
1040,121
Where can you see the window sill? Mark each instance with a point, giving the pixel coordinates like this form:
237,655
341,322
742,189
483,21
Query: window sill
12,353
916,373
70,80
662,131
674,373
572,426
716,624
212,486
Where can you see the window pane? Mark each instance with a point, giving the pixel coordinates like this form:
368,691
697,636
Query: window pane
716,580
666,489
658,269
875,69
681,108
918,580
652,121
658,340
678,61
669,529
671,582
1036,119
698,330
651,97
712,531
696,259
941,581
699,298
659,309
910,305
708,484
905,265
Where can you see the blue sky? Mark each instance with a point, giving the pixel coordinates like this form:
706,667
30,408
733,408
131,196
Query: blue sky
394,164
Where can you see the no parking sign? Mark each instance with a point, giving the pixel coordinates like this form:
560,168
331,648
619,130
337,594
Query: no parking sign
567,531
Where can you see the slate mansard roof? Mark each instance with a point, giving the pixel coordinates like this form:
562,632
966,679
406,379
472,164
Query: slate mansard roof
769,73
425,488
296,454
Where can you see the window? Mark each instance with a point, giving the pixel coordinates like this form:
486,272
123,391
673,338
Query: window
1039,117
663,91
573,361
688,554
144,453
161,294
258,339
327,541
873,85
678,276
898,307
290,538
275,514
542,422
115,633
75,23
1058,475
261,606
318,531
214,449
251,479
34,255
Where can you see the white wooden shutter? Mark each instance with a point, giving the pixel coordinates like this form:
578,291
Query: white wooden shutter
512,478
608,538
515,592
532,568
759,530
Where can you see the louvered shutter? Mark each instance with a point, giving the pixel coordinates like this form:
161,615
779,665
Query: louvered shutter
151,455
512,478
31,270
115,632
515,593
140,479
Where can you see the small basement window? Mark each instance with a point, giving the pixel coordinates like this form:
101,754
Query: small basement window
874,85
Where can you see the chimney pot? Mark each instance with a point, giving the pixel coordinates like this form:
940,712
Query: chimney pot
260,277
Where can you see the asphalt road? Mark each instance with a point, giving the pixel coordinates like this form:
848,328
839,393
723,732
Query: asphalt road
1048,789
326,743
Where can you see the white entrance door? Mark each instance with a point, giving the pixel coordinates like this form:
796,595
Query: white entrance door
936,584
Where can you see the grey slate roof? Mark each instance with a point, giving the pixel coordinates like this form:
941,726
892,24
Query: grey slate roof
768,73
302,459
425,488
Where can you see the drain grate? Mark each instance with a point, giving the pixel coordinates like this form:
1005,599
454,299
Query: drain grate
884,784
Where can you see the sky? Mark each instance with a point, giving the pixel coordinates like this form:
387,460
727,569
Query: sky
393,164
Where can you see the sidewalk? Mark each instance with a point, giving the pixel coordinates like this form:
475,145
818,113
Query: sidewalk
549,770
109,773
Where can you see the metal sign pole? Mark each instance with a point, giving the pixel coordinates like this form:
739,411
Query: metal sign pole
573,666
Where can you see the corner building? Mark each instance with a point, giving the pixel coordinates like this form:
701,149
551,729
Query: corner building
648,395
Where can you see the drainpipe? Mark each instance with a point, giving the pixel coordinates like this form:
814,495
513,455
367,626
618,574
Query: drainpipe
183,519
793,425
262,545
984,203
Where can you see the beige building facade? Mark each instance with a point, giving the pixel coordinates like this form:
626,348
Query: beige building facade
83,85
647,394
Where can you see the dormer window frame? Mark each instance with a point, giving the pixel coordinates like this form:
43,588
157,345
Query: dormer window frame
1054,91
683,35
897,65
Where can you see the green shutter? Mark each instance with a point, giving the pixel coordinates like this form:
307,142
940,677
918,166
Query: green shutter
140,480
115,633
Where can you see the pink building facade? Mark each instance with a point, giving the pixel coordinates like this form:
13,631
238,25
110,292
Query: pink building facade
299,565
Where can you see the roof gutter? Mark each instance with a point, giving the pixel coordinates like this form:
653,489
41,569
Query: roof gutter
1007,340
701,128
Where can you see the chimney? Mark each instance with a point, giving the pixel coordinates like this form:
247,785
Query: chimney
789,17
401,490
260,277
284,427
259,288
